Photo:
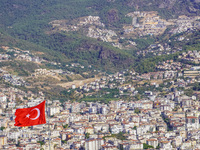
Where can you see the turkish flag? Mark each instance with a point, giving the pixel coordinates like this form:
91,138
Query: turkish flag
30,116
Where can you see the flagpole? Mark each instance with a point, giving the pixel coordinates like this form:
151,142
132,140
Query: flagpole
47,102
49,127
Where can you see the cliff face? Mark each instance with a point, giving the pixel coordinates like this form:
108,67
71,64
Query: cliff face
116,59
107,54
108,57
112,16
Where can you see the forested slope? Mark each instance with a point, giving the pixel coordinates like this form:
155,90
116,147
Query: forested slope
25,24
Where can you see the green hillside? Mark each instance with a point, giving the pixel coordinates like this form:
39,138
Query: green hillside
48,54
25,25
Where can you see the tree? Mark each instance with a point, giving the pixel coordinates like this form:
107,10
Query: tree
2,128
18,144
64,142
55,146
55,126
158,147
137,97
189,92
121,136
146,146
196,87
87,135
65,126
121,147
41,143
134,128
137,110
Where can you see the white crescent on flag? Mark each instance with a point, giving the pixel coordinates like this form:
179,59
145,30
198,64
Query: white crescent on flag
38,114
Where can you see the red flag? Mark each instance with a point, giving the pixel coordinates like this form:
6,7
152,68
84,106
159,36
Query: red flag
30,116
